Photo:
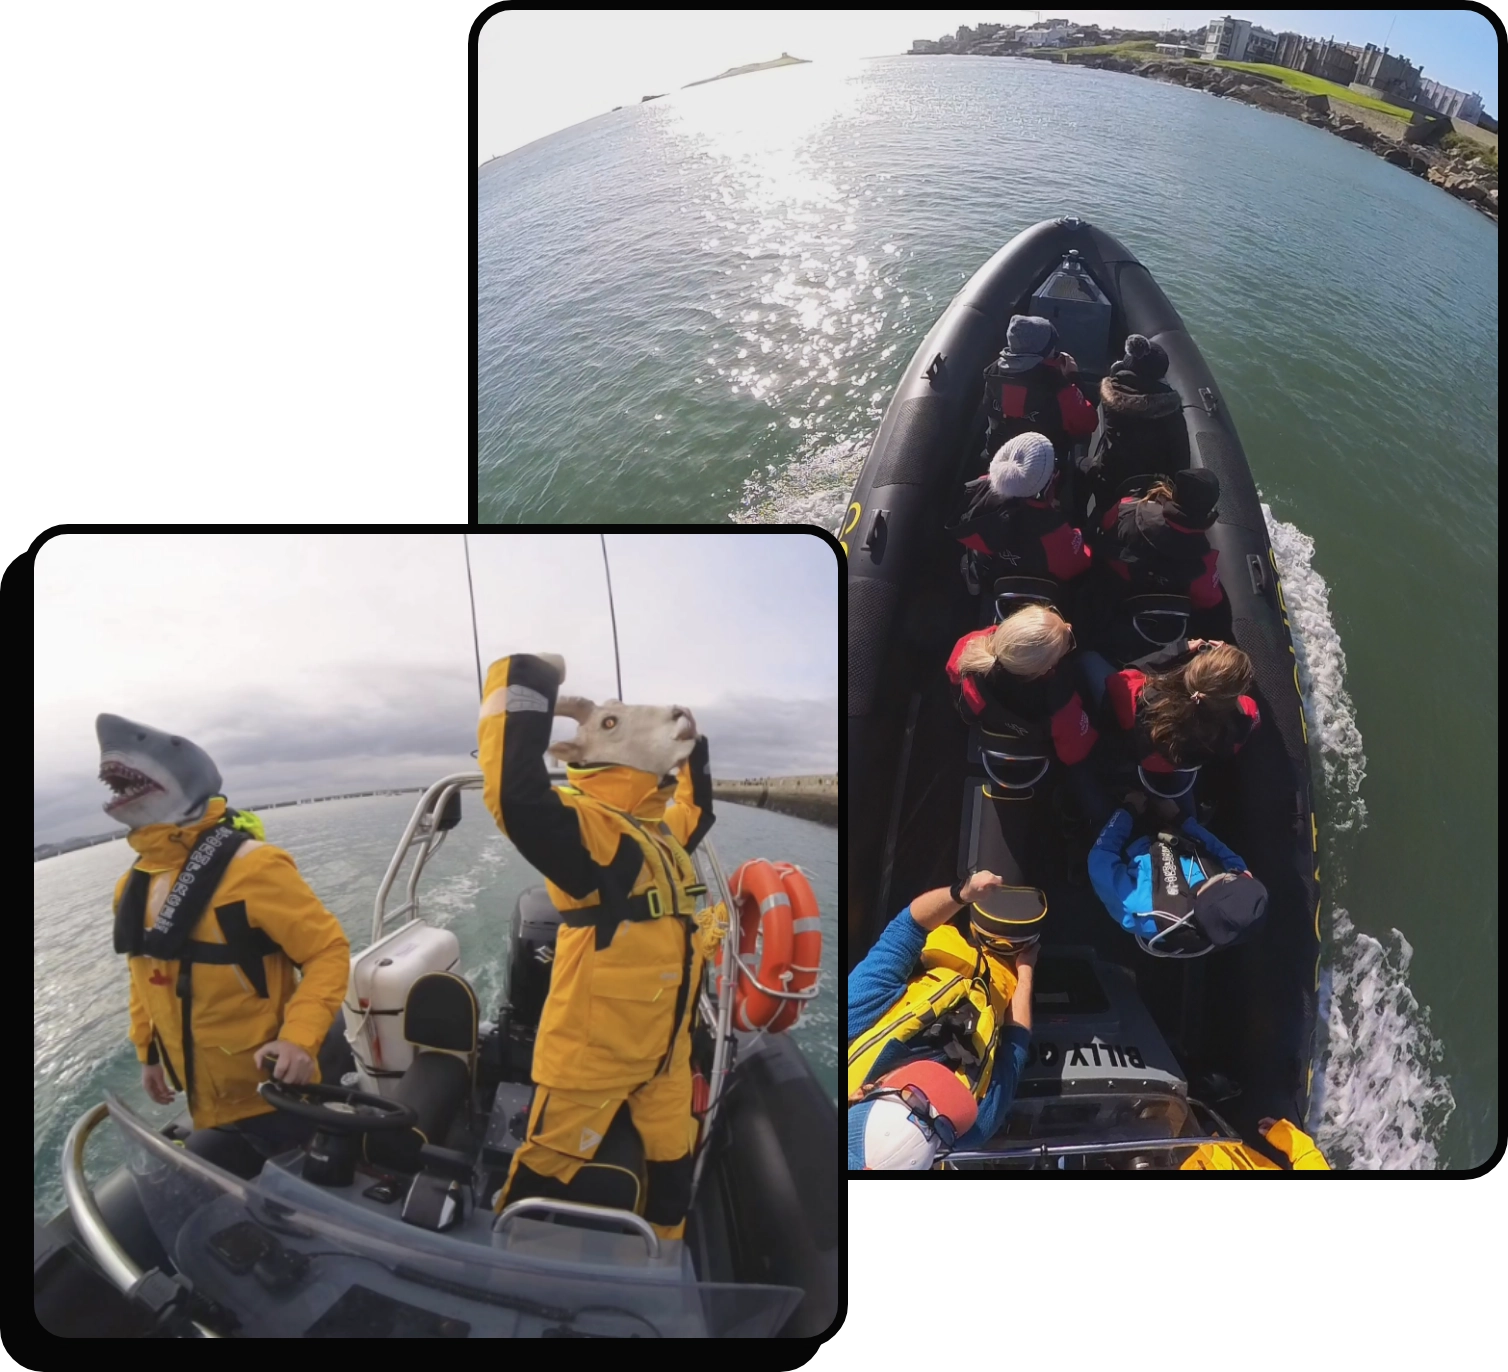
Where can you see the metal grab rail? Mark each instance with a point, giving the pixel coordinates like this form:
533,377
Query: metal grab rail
114,1261
1053,1150
417,831
626,1219
117,1265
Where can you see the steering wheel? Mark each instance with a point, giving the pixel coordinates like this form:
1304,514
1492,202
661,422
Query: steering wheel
337,1109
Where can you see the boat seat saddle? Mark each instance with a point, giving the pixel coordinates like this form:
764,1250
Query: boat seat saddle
1012,593
1159,620
440,1020
1015,761
994,839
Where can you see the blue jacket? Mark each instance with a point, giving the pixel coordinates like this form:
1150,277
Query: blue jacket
876,984
1122,873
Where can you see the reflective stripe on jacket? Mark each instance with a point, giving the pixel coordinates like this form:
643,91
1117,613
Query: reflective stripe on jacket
612,844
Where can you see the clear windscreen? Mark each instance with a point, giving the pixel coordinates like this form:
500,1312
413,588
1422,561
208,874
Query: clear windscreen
283,1258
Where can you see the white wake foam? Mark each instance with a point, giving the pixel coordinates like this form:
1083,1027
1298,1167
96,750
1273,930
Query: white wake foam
1383,1102
1322,674
813,489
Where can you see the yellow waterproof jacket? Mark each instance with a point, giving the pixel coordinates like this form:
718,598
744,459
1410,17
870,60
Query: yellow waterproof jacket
230,1020
613,847
952,971
1298,1147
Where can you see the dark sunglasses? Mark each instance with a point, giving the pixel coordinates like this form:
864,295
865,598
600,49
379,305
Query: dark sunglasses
996,943
915,1100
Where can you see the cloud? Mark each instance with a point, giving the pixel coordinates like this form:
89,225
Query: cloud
405,727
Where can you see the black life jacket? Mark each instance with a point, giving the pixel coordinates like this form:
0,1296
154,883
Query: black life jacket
168,939
1025,402
1008,532
1142,431
1161,559
1172,896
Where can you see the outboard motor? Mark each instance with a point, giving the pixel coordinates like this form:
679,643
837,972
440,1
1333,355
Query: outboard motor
531,955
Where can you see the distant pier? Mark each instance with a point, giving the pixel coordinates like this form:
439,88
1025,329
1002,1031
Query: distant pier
814,797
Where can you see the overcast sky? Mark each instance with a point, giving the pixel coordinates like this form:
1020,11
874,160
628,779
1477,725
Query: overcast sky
539,71
308,664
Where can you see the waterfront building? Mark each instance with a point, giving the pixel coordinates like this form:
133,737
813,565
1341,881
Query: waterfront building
1226,38
1239,40
1388,76
1322,57
1443,99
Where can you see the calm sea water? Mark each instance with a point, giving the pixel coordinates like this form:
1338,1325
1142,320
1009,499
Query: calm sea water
342,848
696,309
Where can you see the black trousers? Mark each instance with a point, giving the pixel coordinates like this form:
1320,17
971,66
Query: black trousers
244,1146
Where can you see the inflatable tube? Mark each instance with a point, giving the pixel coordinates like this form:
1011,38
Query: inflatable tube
769,1202
1255,1012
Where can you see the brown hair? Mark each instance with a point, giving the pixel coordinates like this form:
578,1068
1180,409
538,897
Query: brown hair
1190,707
1027,645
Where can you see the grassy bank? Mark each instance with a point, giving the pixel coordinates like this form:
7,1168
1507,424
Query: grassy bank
1314,85
1469,147
1138,49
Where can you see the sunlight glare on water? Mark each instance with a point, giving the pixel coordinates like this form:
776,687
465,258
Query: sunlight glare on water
806,295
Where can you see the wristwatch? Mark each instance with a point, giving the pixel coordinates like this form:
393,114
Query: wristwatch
955,891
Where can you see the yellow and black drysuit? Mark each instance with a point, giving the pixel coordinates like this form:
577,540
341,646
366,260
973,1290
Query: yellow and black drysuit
613,846
216,977
1295,1145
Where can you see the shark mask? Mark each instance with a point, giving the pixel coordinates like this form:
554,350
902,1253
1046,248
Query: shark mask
157,778
652,738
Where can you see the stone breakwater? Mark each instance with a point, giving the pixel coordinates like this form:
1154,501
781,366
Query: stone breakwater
1401,143
813,798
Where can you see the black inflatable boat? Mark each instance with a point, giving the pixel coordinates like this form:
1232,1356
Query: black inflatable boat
1130,1051
383,1224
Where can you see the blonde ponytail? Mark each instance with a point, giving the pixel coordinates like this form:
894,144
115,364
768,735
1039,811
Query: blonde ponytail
1028,644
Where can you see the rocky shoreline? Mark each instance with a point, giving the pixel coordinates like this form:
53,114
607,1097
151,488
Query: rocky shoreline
1458,171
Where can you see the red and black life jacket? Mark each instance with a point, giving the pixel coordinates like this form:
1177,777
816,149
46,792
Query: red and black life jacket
1041,400
1125,694
1006,704
1155,556
1020,537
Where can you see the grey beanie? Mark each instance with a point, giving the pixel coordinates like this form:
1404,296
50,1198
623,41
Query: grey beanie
1029,341
1143,357
1022,467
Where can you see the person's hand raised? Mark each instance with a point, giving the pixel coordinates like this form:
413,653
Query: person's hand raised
977,884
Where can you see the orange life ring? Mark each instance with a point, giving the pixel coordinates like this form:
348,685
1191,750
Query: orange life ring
764,908
806,955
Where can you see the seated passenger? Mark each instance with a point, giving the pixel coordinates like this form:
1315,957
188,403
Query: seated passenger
1009,518
1185,886
1141,423
1014,673
1155,544
977,995
1176,720
1028,388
